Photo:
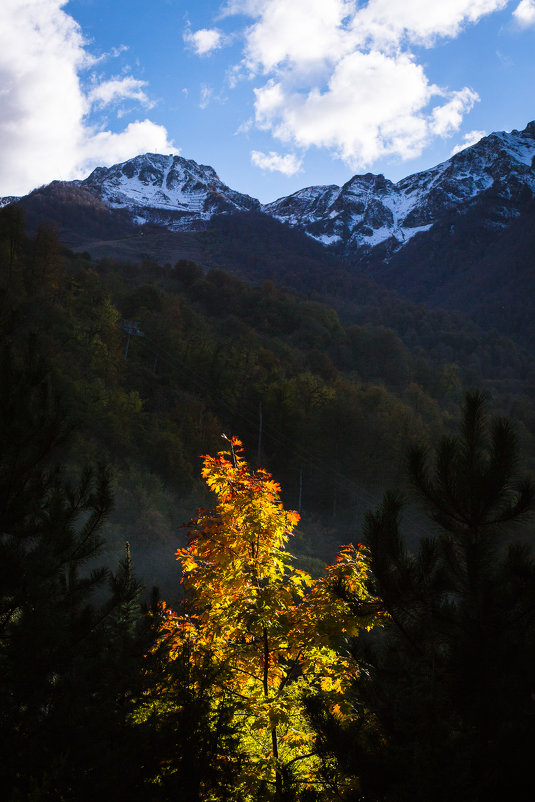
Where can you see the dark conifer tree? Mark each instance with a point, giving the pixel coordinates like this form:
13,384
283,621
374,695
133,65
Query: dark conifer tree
67,661
451,679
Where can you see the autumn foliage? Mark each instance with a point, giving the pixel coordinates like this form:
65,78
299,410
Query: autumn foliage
269,630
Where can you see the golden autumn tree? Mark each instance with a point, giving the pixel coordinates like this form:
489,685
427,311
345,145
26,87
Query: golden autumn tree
266,627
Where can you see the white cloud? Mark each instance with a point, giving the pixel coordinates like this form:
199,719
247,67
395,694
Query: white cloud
274,162
298,35
371,108
447,119
44,129
471,138
302,32
244,127
391,23
524,14
207,94
205,40
117,89
92,60
343,75
106,147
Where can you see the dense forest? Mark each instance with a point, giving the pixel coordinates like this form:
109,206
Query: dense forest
276,660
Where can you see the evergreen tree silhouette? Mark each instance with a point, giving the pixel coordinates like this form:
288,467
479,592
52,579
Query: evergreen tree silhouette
70,650
451,678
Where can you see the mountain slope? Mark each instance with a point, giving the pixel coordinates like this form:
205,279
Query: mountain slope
473,263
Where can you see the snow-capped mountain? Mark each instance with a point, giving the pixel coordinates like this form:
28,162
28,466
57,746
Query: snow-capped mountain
366,212
369,209
170,191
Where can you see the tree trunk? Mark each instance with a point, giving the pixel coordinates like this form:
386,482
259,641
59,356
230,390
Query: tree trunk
274,740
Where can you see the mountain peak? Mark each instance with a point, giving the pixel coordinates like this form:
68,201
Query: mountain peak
166,190
530,128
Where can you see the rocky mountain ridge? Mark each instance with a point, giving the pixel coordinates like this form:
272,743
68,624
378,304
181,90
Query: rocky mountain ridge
369,210
369,214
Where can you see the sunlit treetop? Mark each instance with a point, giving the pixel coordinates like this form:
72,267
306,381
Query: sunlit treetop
268,627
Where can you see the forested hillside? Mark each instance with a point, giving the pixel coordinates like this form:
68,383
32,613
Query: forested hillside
320,402
117,377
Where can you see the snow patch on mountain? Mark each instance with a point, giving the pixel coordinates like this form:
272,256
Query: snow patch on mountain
325,239
8,200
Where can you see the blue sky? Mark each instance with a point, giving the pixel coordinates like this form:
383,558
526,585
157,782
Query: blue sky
275,95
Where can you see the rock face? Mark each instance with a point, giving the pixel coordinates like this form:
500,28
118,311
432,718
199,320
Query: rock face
369,210
166,190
